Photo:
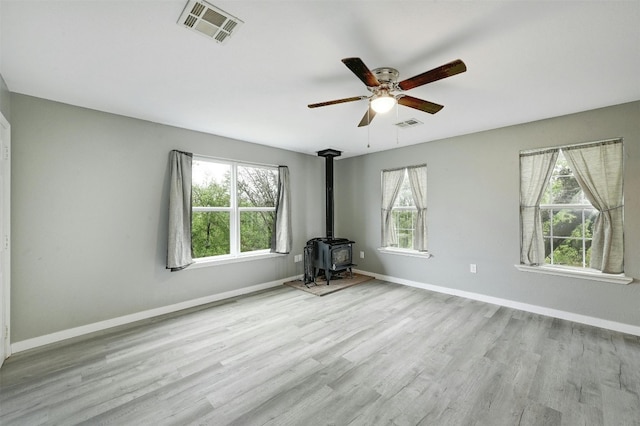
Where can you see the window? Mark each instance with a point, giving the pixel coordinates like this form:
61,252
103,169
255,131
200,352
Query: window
571,207
404,208
233,211
567,219
404,214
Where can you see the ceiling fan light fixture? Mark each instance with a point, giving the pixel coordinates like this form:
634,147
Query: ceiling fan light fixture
383,103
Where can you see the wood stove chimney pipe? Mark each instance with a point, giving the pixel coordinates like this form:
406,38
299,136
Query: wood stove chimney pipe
329,154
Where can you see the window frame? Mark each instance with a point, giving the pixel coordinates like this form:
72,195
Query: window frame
584,272
235,211
554,207
551,237
398,209
410,252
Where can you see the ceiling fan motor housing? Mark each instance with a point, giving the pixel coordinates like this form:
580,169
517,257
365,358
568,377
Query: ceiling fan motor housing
388,78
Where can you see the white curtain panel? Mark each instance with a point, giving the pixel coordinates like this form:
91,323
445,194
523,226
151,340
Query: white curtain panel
391,182
282,240
535,172
179,253
598,168
418,181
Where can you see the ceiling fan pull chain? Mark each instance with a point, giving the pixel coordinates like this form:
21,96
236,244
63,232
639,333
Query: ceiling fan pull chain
397,128
368,129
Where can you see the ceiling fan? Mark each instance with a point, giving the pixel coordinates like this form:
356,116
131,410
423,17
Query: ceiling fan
383,83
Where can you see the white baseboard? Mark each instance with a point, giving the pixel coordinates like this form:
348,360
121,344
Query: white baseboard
555,313
128,319
151,313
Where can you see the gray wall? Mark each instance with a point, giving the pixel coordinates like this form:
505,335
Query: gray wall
4,91
89,197
89,216
473,187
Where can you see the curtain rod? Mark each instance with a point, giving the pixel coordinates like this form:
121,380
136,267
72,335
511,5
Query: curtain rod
405,167
229,160
573,145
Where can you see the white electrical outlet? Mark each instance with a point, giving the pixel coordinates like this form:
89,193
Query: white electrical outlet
361,255
297,258
472,268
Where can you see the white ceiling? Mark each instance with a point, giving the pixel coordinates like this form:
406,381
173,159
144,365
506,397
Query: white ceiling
526,61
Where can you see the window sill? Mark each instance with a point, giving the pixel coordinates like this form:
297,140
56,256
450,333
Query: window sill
577,273
224,260
404,252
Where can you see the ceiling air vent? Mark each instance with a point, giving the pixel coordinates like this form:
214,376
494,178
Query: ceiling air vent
412,122
209,21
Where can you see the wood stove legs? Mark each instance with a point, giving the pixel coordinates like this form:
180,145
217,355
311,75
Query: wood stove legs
312,273
328,275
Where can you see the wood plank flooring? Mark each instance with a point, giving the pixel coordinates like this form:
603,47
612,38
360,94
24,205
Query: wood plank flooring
373,354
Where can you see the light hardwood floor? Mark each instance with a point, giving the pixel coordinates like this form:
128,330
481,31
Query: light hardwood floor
373,354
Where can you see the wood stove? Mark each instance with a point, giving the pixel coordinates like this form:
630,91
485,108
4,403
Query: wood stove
328,256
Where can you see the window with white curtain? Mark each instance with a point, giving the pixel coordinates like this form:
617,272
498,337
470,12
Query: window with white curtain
571,207
233,208
567,218
404,209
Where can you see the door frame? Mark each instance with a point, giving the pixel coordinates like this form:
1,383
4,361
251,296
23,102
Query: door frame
5,240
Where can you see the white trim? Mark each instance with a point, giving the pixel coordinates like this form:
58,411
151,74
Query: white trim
567,206
205,262
228,160
5,240
541,310
36,342
233,209
576,273
131,318
405,252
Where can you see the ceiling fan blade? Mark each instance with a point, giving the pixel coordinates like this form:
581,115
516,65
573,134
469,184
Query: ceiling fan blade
361,71
443,71
368,116
337,101
419,104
